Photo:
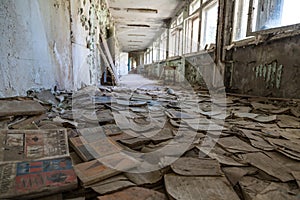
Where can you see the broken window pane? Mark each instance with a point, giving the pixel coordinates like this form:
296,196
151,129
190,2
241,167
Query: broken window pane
209,25
275,13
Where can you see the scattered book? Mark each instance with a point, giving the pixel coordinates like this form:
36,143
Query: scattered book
36,178
25,145
93,172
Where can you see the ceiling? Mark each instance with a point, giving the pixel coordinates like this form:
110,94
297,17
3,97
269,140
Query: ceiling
139,22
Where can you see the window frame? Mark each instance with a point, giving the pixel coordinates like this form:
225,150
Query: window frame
207,4
163,46
237,20
188,32
194,3
192,20
250,32
176,36
189,24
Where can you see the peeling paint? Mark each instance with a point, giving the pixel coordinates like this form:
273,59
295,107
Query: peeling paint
279,75
271,73
93,19
28,29
274,69
264,72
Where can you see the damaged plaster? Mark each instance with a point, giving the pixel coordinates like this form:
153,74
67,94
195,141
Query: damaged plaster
267,69
50,43
29,58
90,20
272,74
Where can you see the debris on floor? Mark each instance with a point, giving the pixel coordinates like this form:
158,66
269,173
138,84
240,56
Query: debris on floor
148,143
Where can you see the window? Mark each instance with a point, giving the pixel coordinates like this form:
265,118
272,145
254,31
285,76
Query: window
176,37
192,34
172,45
156,51
180,19
240,19
192,24
147,57
274,13
206,18
194,6
180,39
184,35
151,55
162,46
173,25
257,16
195,34
209,24
187,36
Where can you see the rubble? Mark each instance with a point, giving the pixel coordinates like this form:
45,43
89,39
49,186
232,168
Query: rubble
148,143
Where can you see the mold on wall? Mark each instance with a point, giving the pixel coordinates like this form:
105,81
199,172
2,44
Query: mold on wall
34,48
199,69
192,75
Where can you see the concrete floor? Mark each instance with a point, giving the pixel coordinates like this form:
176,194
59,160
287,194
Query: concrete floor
186,144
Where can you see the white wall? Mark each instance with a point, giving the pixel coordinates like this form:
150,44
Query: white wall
35,46
47,43
86,58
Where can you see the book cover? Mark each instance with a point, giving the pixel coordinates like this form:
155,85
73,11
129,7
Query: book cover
93,172
25,145
82,148
36,178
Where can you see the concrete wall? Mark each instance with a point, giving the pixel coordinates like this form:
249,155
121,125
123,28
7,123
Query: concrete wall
87,21
265,65
163,71
198,68
35,45
47,43
268,69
